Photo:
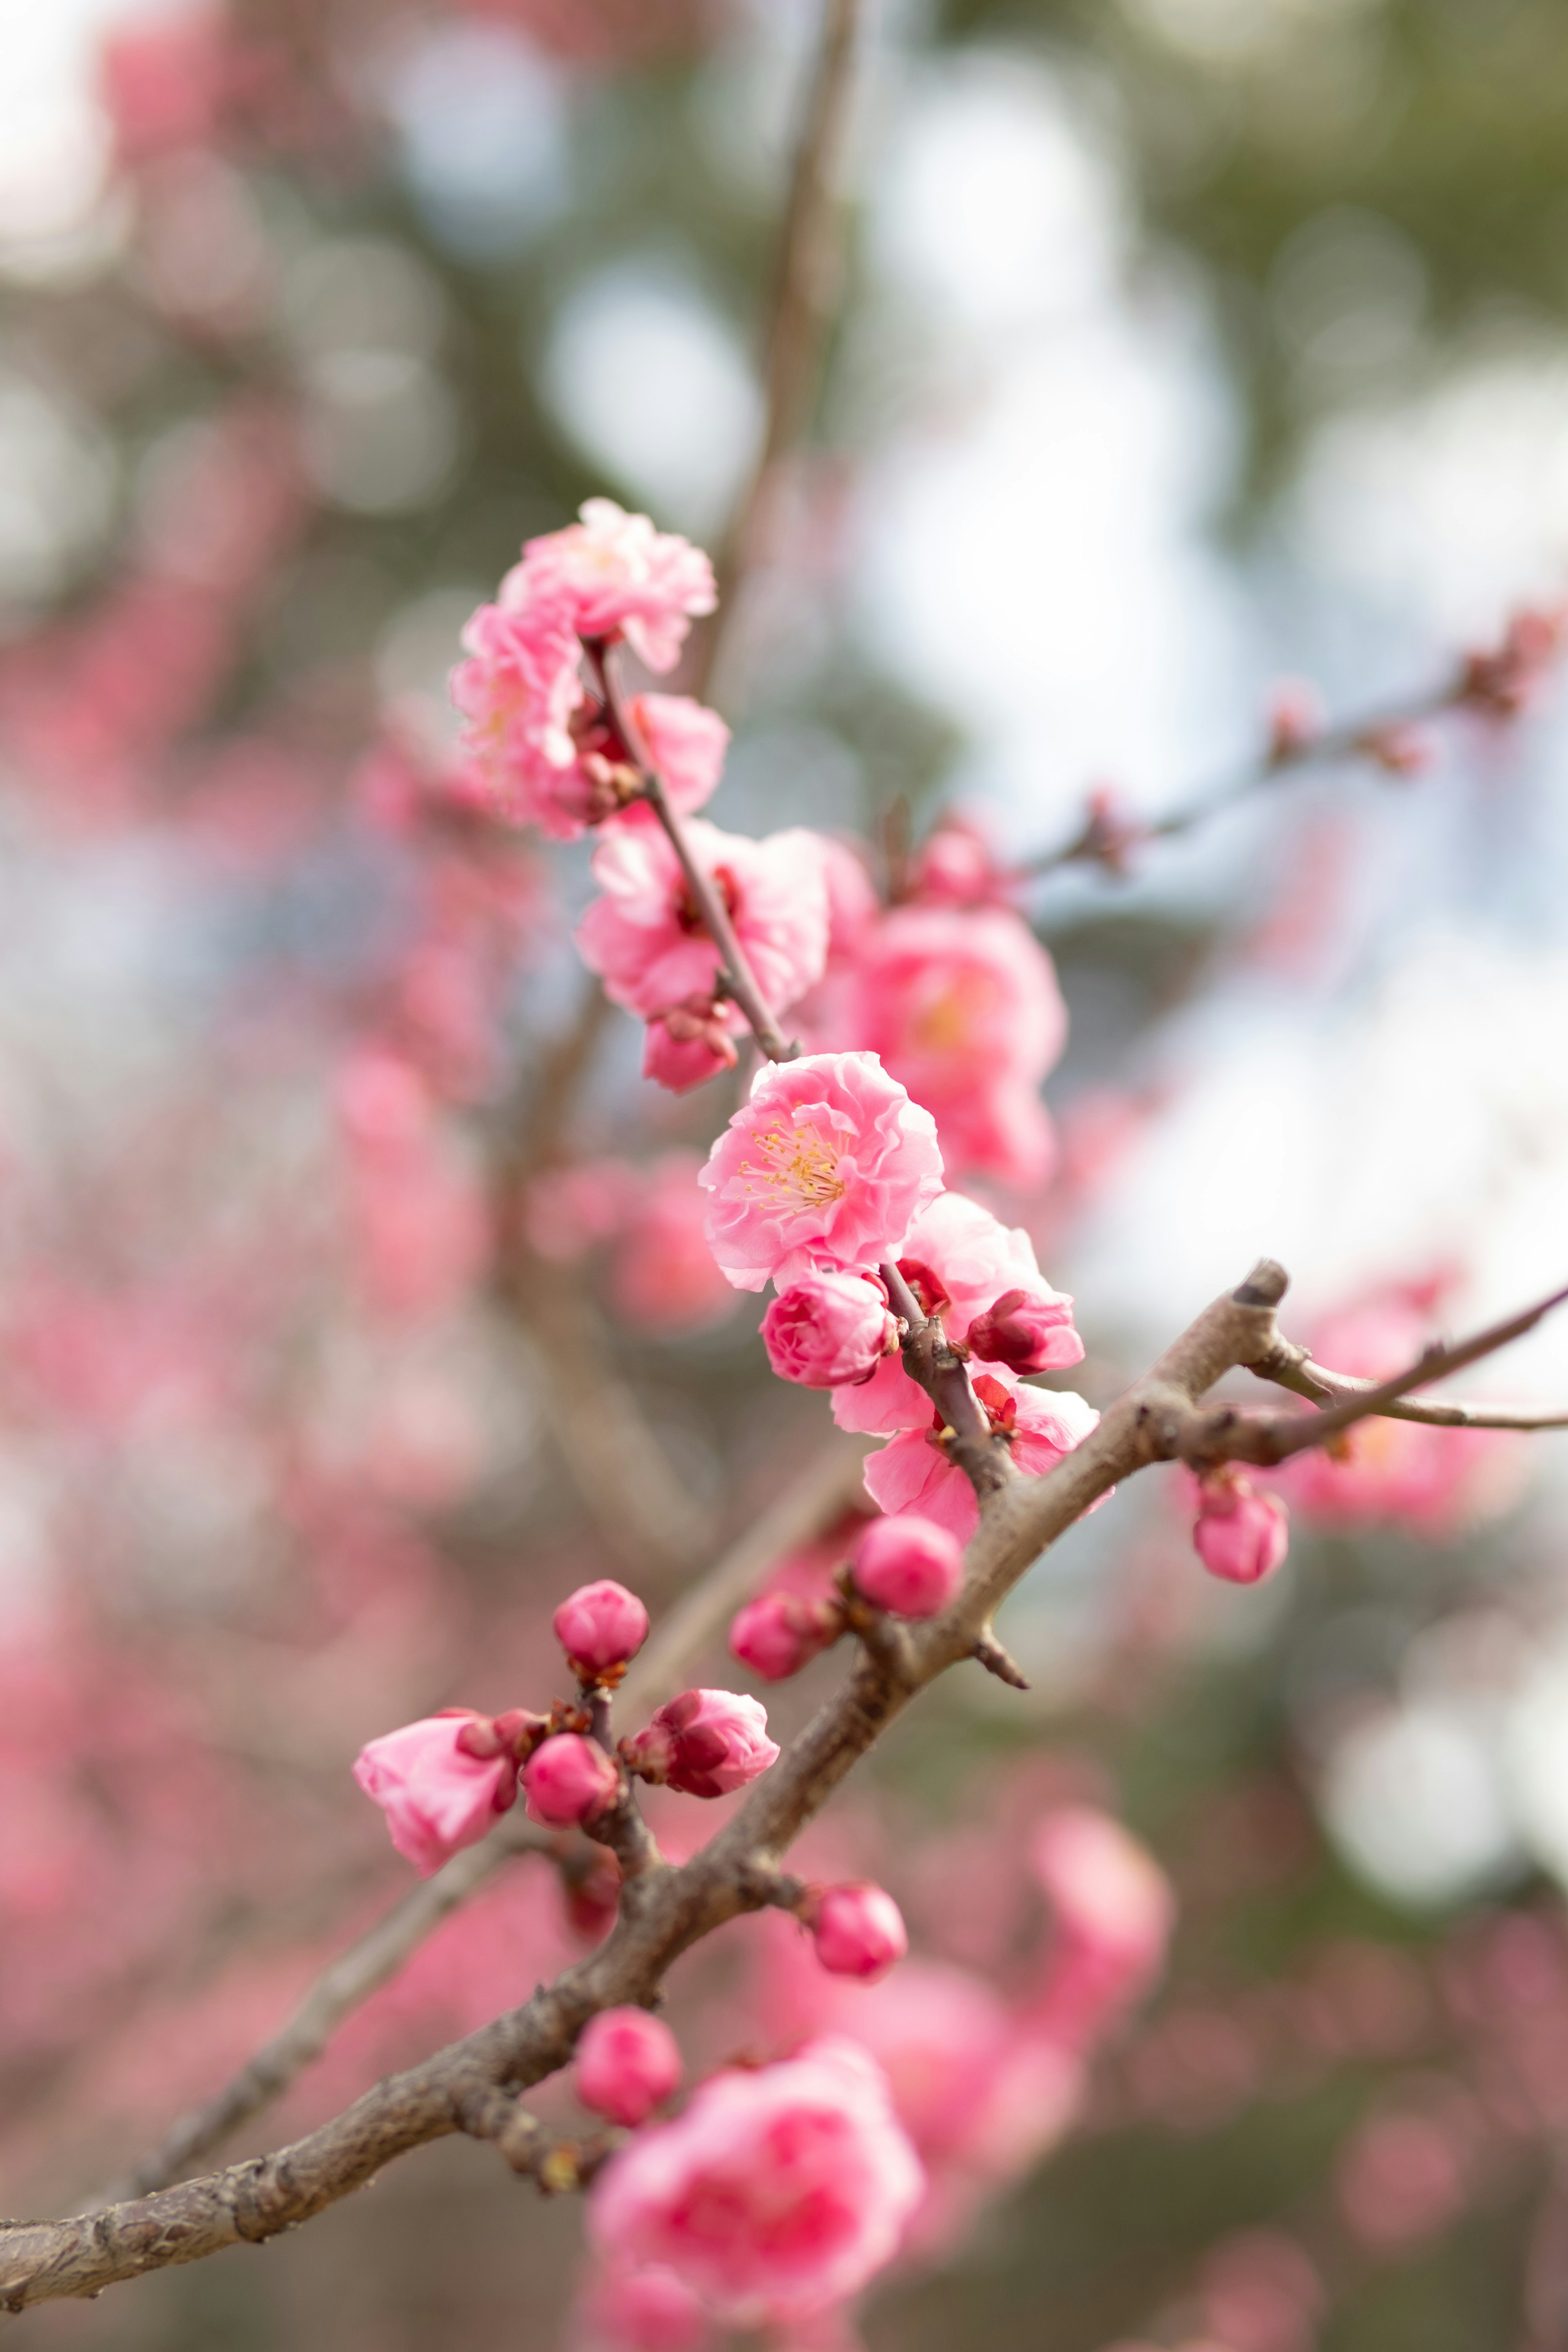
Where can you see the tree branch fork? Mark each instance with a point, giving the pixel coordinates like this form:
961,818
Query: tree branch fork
472,2087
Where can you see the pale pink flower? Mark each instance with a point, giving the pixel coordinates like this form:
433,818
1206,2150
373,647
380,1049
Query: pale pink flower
857,1929
829,1328
685,742
706,1743
1239,1534
601,1627
1112,1912
909,1565
963,1007
828,1163
613,576
1435,1482
568,1780
778,2193
628,2063
646,938
437,1793
912,1472
516,692
780,1632
959,1259
662,1277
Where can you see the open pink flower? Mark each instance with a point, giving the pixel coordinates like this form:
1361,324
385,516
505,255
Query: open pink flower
829,1328
437,1793
646,938
963,1007
686,743
828,1163
911,1473
516,692
959,1259
612,574
776,2194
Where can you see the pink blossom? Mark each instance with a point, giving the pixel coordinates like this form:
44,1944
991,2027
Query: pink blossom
436,1791
706,1743
954,867
911,1473
1239,1534
827,1163
516,692
568,1780
1435,1482
601,1627
647,940
857,1929
1021,1332
776,2194
1112,1911
963,1007
646,2310
687,1045
828,1329
628,2063
780,1632
685,742
662,1276
909,1565
959,1259
613,575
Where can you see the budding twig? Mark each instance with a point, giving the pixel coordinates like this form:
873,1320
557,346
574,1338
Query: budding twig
936,1365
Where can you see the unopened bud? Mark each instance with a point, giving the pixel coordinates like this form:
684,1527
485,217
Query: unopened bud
705,1743
1239,1534
687,1046
1024,1331
628,2063
780,1632
909,1565
568,1780
829,1329
859,1929
601,1627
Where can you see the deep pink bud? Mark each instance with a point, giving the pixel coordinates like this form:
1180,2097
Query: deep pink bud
859,1929
1239,1533
1022,1330
706,1743
780,1632
601,1627
828,1329
909,1565
441,1782
628,2063
568,1780
685,1047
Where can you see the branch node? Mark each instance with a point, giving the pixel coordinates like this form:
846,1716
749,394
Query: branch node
999,1661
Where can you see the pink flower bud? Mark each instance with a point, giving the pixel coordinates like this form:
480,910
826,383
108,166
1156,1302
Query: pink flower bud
1239,1534
1022,1330
628,2063
568,1780
780,1632
437,1794
706,1743
858,1930
601,1627
909,1565
827,1329
685,1047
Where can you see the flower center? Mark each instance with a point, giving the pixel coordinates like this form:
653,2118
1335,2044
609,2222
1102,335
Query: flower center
796,1169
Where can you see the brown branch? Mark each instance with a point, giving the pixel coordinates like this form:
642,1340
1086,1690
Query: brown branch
1292,1366
810,1502
43,2260
936,1365
807,280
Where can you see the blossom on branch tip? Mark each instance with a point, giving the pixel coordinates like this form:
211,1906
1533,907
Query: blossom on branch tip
909,1565
706,1743
780,1632
628,2063
913,1472
601,1627
1239,1534
829,1328
779,2192
613,575
439,1788
827,1164
568,1780
857,1929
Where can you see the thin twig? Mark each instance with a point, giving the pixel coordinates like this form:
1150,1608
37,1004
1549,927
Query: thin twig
1294,1369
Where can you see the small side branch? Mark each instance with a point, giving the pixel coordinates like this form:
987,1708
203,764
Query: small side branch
1293,1368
